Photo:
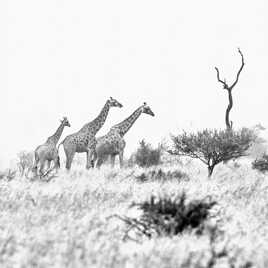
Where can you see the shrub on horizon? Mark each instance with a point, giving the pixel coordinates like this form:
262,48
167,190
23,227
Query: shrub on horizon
160,175
212,146
25,162
146,155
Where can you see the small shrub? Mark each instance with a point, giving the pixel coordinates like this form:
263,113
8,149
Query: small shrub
213,146
259,147
25,162
161,175
2,175
168,217
146,155
261,164
8,174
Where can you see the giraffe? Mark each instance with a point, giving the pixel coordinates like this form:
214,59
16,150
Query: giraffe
112,143
84,140
48,151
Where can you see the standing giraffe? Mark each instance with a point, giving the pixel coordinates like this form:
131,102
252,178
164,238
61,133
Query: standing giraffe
48,151
84,140
112,143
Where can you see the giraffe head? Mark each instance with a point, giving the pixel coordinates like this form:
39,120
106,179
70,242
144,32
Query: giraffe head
114,103
146,109
65,122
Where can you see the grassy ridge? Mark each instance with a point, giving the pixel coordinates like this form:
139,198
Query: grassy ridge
67,223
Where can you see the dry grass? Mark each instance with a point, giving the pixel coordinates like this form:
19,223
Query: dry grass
67,223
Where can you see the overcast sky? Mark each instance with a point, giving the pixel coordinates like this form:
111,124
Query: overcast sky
65,58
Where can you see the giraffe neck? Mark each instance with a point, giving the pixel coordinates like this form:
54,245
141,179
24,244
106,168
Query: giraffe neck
56,136
99,121
125,125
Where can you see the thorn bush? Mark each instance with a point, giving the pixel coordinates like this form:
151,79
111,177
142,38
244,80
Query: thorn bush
166,216
212,146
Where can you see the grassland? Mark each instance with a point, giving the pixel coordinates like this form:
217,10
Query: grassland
67,222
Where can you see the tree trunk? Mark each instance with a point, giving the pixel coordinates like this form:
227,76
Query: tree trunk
229,124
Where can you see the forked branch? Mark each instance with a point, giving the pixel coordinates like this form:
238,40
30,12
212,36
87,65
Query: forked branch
229,89
225,85
239,71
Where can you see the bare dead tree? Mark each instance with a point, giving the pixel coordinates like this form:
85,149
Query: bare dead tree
229,124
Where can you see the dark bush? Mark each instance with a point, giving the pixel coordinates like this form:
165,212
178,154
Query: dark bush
146,155
261,164
169,216
161,175
213,146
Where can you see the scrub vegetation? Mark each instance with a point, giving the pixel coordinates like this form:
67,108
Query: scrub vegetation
75,219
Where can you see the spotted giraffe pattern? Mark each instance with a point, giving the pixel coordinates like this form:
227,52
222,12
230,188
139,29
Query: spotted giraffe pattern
48,152
84,140
113,143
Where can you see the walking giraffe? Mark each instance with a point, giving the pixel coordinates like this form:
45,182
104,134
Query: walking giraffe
48,151
112,143
84,140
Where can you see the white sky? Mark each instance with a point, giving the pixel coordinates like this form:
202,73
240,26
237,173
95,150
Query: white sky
67,57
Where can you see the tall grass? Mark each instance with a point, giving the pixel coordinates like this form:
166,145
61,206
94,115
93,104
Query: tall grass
67,222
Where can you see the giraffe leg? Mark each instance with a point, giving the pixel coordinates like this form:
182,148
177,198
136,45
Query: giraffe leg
42,165
93,161
88,160
69,150
48,164
57,162
35,164
121,158
90,154
99,162
69,159
112,160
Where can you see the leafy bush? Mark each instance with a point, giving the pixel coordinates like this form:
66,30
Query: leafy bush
146,155
25,162
168,217
213,146
261,164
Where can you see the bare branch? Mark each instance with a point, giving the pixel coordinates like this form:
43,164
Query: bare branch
239,71
229,89
225,86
